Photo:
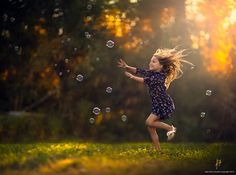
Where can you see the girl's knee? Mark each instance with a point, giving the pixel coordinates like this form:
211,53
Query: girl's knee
148,122
151,129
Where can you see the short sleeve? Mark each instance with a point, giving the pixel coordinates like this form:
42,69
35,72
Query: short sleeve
147,80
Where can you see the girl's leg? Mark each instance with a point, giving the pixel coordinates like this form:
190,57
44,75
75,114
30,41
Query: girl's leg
154,121
154,137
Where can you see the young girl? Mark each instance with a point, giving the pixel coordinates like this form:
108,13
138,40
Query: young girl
164,67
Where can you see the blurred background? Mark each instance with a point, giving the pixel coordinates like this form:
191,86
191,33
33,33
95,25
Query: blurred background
59,76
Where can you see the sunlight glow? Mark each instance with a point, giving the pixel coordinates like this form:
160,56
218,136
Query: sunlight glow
213,32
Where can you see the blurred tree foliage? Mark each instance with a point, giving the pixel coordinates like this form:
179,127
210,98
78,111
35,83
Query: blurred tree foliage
44,45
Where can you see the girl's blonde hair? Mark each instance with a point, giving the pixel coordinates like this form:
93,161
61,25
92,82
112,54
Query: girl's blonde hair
172,60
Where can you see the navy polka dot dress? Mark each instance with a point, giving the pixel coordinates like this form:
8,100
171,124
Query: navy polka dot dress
162,104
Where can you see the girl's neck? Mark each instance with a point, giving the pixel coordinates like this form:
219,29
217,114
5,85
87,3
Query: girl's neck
158,70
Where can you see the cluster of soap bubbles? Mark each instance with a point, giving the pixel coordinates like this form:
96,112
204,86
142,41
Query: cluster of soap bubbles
87,35
57,13
208,93
79,77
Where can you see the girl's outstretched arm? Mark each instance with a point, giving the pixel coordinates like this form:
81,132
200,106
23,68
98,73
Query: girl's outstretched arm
124,65
136,78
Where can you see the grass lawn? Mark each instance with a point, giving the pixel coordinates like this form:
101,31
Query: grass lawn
78,157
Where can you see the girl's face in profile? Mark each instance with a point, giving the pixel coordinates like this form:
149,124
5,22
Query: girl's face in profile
154,64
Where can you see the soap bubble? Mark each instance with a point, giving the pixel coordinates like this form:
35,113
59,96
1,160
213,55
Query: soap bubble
202,115
79,77
96,110
60,73
66,60
91,120
123,118
108,109
89,6
108,89
110,44
87,34
16,48
55,65
12,19
89,18
208,92
60,31
4,16
68,70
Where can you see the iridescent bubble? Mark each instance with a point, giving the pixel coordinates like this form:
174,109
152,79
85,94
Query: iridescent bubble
79,77
4,16
91,120
96,110
123,118
12,19
89,6
60,31
60,73
208,92
202,115
88,36
16,48
110,44
108,89
23,5
108,109
89,18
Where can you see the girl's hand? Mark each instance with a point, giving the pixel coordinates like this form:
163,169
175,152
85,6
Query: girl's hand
128,74
122,64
